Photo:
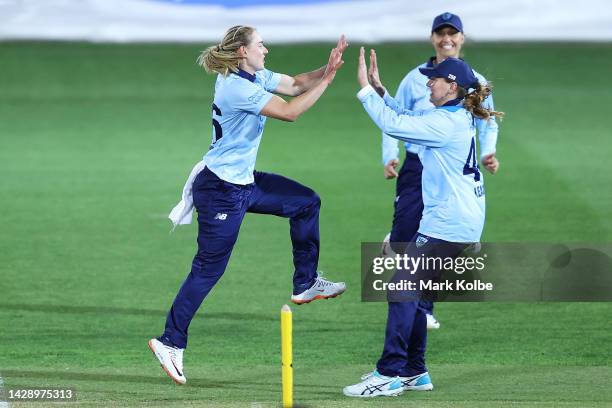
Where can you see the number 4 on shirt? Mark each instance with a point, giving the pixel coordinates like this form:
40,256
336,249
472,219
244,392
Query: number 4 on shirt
471,165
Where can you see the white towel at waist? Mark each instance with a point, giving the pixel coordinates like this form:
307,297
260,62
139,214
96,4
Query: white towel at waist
182,213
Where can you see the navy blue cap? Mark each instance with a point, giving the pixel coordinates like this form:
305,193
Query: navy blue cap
447,19
453,69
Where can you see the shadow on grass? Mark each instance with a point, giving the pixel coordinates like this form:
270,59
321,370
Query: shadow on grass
128,311
95,377
131,311
202,383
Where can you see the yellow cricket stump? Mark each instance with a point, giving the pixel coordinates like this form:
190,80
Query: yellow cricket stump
287,356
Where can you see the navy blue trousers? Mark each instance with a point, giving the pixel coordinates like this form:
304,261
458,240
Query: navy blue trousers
408,208
221,207
406,332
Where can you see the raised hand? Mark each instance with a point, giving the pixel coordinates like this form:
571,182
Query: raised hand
373,75
334,63
362,69
342,44
335,59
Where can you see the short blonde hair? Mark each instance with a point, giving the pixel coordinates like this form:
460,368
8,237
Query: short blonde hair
224,58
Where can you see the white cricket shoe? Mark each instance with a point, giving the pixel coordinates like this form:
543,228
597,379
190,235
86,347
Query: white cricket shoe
170,358
373,385
421,382
322,289
432,323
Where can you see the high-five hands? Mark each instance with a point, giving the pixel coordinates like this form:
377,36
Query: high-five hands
369,76
342,44
335,59
374,76
362,69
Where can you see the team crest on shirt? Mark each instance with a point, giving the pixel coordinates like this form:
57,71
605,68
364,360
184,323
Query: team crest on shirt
256,97
420,241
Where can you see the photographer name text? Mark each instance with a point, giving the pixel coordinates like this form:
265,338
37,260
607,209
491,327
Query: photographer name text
458,285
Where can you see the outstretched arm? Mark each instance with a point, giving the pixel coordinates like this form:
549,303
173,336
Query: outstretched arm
278,108
297,85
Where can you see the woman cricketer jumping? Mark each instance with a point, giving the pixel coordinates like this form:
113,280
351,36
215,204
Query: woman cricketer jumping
453,197
225,185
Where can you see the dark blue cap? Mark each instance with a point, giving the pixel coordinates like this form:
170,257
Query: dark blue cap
447,19
453,69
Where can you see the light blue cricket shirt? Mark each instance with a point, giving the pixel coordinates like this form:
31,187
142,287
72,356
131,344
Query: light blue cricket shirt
413,94
237,124
453,191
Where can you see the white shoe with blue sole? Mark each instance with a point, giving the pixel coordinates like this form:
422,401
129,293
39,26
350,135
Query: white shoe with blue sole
375,385
421,382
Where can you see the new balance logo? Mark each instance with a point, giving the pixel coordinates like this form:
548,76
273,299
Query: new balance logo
221,216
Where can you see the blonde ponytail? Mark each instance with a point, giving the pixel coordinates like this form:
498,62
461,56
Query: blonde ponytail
225,58
473,102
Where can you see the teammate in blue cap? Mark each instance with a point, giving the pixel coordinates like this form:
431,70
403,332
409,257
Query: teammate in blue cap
454,204
228,186
447,39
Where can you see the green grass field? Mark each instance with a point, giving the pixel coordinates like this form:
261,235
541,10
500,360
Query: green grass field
97,140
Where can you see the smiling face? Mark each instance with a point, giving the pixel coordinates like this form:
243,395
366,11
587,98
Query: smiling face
447,42
441,91
254,54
